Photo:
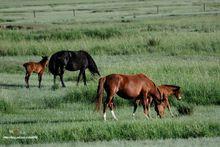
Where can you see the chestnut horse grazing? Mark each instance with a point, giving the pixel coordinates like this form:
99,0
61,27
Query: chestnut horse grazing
131,87
36,67
166,91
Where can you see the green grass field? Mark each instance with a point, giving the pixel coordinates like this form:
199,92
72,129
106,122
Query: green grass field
191,142
180,45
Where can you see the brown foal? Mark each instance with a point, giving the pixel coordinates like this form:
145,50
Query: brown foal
36,67
166,91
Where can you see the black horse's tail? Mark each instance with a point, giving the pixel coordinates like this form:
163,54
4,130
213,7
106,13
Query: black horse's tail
92,65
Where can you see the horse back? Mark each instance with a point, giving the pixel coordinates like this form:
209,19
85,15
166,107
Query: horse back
165,90
30,66
126,86
143,84
129,80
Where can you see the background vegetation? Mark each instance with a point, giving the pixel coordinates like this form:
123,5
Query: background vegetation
180,45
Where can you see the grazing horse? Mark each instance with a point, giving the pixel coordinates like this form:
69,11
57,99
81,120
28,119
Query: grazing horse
72,61
36,67
166,91
131,87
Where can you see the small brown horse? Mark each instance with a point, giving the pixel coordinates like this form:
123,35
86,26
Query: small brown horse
166,91
36,67
131,87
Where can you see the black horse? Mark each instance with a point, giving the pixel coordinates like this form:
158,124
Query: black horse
72,61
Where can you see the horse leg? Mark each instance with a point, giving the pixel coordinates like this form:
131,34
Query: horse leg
145,105
169,108
80,72
161,110
27,79
148,109
135,108
145,111
156,109
110,105
61,79
148,105
84,78
61,76
109,102
105,104
54,79
39,79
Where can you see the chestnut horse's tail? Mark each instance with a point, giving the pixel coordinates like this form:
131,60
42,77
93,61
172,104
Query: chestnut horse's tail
25,66
100,92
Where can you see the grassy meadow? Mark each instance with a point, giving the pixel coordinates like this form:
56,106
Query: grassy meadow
180,45
192,142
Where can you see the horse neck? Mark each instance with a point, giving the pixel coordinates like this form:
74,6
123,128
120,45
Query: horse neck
167,90
156,93
43,62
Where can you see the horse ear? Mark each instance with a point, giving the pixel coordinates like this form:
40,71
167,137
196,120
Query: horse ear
44,57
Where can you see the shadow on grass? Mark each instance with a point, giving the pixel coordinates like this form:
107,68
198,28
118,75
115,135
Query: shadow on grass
3,85
7,86
48,121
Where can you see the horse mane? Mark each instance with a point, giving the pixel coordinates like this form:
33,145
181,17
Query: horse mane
158,90
43,60
174,87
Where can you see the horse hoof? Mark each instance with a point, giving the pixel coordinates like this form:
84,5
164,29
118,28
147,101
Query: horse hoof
147,117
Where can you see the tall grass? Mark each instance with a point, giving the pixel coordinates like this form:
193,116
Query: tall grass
197,78
6,107
198,142
126,130
176,37
58,34
178,50
167,43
